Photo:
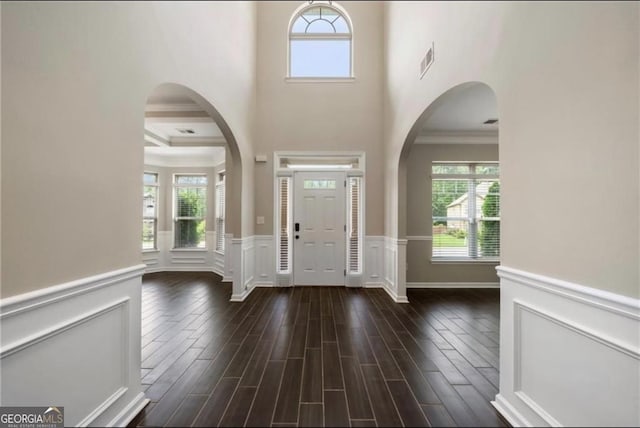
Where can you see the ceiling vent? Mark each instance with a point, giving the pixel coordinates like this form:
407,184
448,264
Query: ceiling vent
185,131
426,61
490,121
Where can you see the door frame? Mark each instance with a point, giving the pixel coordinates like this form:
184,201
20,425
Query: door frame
285,164
341,182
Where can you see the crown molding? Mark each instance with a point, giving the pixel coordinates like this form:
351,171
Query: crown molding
181,161
458,138
197,142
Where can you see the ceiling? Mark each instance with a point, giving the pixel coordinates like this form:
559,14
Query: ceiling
464,111
178,132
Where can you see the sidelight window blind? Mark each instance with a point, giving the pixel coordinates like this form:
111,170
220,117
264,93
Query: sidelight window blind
354,226
284,225
150,211
220,210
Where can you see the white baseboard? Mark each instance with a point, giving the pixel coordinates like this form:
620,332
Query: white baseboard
264,284
569,354
394,296
131,411
453,285
241,297
98,319
508,412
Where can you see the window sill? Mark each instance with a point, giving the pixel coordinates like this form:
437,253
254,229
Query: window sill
151,250
179,250
319,79
448,261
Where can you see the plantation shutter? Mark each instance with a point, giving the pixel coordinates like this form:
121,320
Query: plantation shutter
220,198
354,225
283,224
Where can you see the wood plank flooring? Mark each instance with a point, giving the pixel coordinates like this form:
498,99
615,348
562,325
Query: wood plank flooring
316,356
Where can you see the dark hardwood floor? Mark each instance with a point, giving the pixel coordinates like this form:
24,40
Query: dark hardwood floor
316,356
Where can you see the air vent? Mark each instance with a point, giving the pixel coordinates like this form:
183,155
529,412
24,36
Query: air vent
426,61
490,121
185,131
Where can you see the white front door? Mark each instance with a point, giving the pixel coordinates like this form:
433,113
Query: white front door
319,228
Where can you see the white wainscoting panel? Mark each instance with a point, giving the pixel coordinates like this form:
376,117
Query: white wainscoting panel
374,250
166,259
569,354
395,271
248,262
265,261
76,345
243,255
228,258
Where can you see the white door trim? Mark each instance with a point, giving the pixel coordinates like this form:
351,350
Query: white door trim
284,166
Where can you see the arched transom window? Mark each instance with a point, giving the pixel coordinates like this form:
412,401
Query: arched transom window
320,38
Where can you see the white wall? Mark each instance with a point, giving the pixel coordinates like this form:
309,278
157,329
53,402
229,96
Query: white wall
74,111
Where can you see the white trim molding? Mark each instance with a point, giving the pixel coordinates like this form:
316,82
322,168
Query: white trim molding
453,285
265,264
97,317
569,354
460,137
395,269
243,254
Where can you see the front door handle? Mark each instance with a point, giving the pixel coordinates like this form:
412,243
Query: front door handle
297,227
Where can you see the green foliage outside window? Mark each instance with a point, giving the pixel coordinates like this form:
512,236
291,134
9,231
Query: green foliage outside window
190,232
490,233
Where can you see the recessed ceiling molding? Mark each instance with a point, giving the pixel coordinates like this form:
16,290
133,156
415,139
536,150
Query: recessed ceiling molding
197,141
152,138
188,117
173,107
180,162
458,138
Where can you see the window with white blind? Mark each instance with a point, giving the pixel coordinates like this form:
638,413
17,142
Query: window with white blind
150,211
354,228
190,210
220,198
284,225
465,201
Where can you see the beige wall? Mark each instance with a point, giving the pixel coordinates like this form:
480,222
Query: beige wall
344,116
420,268
568,123
75,79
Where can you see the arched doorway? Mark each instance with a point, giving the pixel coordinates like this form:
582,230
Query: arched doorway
193,164
450,191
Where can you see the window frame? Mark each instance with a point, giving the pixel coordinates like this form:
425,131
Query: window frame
474,178
177,186
220,206
320,36
156,185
